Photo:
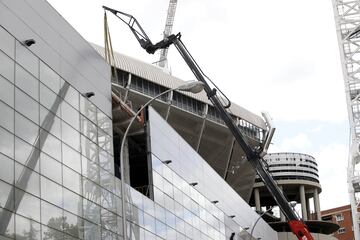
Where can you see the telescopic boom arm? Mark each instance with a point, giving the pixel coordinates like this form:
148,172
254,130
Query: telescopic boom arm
253,156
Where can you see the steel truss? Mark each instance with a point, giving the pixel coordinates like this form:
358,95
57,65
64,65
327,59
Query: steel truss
347,19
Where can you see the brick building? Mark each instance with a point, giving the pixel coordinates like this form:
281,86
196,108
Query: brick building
342,216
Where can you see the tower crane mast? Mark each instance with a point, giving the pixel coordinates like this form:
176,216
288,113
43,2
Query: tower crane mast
347,20
163,62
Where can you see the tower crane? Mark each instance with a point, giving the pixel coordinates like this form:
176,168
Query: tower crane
221,103
163,62
347,20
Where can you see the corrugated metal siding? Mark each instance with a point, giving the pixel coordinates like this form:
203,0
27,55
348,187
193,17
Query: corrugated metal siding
157,75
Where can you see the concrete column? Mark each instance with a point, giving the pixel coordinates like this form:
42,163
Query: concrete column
317,204
308,208
282,216
257,199
303,202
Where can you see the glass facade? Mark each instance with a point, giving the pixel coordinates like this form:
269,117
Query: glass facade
56,178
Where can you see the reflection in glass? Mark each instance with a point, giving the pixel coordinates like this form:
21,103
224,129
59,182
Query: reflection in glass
106,161
90,170
24,152
71,158
89,149
26,129
51,146
88,109
70,136
70,115
91,231
108,220
26,106
6,143
26,82
50,168
91,211
51,234
72,97
55,127
48,98
6,67
88,129
7,228
72,202
6,169
27,205
7,193
27,180
72,225
6,91
91,191
161,229
51,215
51,191
28,60
26,229
7,117
71,180
49,77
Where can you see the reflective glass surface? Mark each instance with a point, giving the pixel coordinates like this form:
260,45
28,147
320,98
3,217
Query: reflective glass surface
7,117
6,142
6,91
26,82
6,67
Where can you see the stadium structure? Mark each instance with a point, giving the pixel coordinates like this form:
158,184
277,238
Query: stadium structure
63,122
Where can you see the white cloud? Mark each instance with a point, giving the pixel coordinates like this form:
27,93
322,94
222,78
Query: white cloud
332,161
298,143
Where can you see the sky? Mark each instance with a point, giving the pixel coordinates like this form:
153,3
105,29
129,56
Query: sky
277,56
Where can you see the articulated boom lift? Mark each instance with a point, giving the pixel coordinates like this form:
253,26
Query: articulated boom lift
254,156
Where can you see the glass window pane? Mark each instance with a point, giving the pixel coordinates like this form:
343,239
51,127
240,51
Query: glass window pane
6,143
52,124
70,115
6,67
6,169
26,229
105,141
6,91
88,109
26,82
70,136
91,190
51,145
89,129
51,215
7,197
7,117
90,170
104,122
27,179
50,168
91,211
52,192
71,180
26,106
50,233
72,202
71,158
29,206
89,149
91,231
106,160
10,229
108,220
7,43
73,225
50,100
49,77
26,129
72,97
26,154
26,59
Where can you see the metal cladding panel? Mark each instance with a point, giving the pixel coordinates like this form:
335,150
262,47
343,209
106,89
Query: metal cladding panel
157,75
167,144
59,46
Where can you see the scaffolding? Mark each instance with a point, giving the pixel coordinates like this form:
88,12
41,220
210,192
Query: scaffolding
347,19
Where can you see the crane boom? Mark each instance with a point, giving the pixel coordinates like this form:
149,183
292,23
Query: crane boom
252,155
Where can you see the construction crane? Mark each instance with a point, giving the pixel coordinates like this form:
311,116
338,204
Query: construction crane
347,20
221,103
163,62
